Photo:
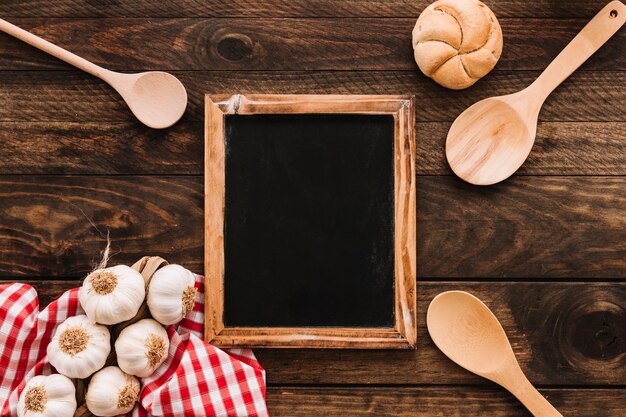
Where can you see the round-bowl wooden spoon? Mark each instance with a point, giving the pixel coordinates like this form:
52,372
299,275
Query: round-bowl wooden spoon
490,140
157,99
467,332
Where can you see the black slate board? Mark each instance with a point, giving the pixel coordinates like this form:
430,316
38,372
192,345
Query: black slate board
309,221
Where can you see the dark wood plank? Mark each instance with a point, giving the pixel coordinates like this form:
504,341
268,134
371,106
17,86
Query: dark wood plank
561,148
567,334
563,334
526,227
77,97
303,44
568,227
427,402
46,224
48,290
100,148
282,8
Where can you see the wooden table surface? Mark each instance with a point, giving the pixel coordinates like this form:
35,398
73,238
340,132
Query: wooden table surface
546,250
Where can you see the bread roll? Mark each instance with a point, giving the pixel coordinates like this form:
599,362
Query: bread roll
456,42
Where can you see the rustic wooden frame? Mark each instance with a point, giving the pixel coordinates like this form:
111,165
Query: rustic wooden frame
404,333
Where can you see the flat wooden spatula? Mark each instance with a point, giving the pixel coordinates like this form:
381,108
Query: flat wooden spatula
156,98
491,139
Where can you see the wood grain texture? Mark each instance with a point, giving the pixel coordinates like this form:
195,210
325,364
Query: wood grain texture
303,44
561,148
561,333
566,334
456,401
568,227
120,148
45,222
490,140
99,148
213,220
529,227
282,8
74,96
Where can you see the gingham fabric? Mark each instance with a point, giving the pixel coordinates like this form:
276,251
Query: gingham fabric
197,379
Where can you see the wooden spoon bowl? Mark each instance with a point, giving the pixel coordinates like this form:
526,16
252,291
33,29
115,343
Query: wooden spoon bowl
491,140
469,332
156,98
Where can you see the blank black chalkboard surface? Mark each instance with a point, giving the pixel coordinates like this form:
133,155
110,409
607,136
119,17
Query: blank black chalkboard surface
310,221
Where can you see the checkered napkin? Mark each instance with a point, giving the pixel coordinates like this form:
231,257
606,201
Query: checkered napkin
197,379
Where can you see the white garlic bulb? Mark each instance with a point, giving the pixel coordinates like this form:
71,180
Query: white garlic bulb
142,347
171,294
79,347
112,392
43,396
112,295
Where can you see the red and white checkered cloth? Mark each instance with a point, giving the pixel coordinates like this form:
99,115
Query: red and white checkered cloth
197,379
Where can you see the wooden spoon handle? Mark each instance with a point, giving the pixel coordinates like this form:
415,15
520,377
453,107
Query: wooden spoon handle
535,402
52,49
513,379
589,40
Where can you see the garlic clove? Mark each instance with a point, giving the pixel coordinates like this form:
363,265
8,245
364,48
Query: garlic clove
112,295
142,347
60,408
52,395
171,294
79,347
111,392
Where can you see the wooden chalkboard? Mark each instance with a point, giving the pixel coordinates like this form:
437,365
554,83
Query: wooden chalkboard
310,221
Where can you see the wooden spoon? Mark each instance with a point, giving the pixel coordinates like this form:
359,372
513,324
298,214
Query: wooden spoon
491,139
468,333
157,99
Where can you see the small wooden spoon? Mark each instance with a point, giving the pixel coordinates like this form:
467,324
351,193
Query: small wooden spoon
490,140
468,333
157,99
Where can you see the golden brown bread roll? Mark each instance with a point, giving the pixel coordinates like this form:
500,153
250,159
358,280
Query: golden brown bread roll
456,42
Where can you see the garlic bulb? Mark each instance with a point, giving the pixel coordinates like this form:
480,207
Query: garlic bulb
142,347
52,395
79,347
112,392
171,294
112,295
